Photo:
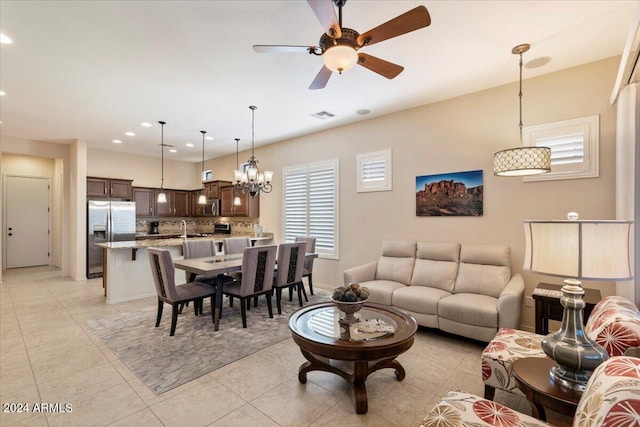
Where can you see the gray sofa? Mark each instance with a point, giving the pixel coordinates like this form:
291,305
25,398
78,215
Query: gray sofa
464,289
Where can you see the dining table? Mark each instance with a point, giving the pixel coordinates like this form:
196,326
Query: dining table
216,266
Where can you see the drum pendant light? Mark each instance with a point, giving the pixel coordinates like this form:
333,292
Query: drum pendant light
162,196
202,199
522,161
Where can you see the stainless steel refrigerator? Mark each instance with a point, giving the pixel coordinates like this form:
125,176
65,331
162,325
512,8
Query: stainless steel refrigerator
107,222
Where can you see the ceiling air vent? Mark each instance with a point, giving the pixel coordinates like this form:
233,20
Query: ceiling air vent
323,115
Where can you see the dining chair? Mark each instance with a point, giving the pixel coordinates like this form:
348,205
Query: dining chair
258,264
198,249
290,266
235,245
308,263
163,273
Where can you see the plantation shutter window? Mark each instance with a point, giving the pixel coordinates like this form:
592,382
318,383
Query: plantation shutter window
311,205
574,147
374,171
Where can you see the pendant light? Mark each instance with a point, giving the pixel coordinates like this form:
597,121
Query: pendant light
162,196
253,181
522,161
238,176
202,199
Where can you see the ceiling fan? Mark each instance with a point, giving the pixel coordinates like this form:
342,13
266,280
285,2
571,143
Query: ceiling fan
338,46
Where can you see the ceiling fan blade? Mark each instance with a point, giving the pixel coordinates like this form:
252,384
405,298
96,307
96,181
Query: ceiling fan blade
380,66
264,48
410,21
326,14
321,79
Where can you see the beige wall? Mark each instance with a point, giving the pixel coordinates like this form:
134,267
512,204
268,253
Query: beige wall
460,134
145,171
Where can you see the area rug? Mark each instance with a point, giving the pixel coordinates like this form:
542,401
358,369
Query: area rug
163,362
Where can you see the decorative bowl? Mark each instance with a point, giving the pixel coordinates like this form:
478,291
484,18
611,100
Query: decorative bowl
349,308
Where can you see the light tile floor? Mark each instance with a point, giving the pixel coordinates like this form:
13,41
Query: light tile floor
49,355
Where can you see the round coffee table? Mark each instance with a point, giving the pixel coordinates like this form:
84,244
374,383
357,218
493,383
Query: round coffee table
332,346
532,378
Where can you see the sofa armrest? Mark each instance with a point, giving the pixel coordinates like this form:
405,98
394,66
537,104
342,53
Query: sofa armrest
510,302
361,273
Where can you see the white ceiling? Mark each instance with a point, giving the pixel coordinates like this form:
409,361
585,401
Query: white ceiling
92,70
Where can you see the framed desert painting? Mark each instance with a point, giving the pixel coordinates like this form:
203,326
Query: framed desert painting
449,194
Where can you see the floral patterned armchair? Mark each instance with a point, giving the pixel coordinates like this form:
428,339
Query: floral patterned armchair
614,324
611,399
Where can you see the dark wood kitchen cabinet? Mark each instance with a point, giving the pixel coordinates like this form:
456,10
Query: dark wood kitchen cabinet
249,206
178,202
212,188
181,203
144,198
109,188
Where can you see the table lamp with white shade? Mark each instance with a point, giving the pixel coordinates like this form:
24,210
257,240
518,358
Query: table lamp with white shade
576,250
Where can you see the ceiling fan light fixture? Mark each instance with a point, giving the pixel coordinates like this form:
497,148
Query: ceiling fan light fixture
340,58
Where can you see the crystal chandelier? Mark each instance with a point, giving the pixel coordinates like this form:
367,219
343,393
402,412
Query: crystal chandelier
253,181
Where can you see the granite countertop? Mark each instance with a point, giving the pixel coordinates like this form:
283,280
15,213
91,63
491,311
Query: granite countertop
170,241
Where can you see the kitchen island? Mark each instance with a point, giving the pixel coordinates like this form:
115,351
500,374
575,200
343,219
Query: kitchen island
127,273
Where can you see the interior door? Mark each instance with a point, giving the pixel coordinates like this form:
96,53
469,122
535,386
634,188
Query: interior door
27,222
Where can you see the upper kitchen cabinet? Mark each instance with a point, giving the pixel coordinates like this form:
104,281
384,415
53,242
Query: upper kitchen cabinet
144,198
181,203
178,203
249,206
212,193
109,188
212,189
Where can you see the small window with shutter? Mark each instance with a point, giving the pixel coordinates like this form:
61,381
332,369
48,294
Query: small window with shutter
574,147
374,171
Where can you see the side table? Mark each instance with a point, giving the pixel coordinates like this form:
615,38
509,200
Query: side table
548,307
532,378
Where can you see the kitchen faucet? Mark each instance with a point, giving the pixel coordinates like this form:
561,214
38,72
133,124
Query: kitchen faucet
184,224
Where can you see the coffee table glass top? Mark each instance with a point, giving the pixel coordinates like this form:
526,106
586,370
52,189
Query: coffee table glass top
329,322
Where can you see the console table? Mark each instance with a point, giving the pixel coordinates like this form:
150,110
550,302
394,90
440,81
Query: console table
548,305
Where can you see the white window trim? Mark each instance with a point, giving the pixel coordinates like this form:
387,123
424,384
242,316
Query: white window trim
307,168
588,127
363,160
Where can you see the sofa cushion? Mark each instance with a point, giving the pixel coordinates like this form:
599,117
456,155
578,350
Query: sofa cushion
471,309
380,291
419,299
484,269
436,265
397,260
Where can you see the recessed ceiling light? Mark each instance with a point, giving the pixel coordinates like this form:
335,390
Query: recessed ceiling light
208,138
188,144
145,124
117,141
2,93
363,112
130,133
5,39
173,150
